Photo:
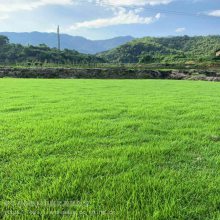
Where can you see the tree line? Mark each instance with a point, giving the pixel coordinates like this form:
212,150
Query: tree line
38,55
147,50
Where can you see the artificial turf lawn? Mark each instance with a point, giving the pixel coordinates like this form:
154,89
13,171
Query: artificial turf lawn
109,149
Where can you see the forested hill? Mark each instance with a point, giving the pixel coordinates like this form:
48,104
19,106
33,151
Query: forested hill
145,50
167,49
16,53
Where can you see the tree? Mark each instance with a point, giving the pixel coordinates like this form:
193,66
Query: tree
3,41
146,59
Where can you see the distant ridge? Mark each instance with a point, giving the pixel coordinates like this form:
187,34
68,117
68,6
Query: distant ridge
80,44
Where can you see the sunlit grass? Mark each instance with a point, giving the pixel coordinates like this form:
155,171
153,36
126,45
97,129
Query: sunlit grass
129,149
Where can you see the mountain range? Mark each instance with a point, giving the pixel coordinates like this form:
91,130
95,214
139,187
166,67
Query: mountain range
77,43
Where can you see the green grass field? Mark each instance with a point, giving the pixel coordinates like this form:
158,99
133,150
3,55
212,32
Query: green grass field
109,149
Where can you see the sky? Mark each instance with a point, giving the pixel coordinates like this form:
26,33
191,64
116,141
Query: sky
103,19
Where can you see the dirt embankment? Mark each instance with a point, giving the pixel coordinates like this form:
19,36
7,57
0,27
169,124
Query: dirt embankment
108,73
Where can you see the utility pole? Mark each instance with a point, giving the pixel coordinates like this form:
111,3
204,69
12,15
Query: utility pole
58,37
58,44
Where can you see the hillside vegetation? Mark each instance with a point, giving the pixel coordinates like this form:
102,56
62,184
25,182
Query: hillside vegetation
169,49
16,53
143,51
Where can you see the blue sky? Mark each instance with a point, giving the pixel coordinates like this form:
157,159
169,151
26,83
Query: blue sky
101,19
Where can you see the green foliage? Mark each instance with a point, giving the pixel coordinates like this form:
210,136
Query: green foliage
216,58
169,49
3,41
38,55
146,59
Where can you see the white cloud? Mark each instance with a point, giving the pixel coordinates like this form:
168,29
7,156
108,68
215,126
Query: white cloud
18,5
118,3
121,17
215,13
24,5
3,17
180,30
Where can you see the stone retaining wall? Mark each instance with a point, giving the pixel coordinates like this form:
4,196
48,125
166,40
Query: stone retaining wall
107,73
